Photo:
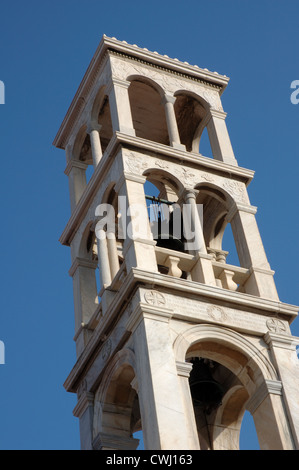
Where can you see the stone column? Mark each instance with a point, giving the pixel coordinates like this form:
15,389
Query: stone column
85,295
183,371
112,254
96,149
174,136
104,263
269,416
251,251
165,424
192,222
283,351
75,170
203,269
120,108
219,137
84,411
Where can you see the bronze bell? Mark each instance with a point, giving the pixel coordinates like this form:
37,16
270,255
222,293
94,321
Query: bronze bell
169,239
206,392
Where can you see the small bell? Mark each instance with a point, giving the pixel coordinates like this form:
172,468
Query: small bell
206,392
167,238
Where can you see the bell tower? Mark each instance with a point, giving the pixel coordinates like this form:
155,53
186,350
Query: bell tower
171,337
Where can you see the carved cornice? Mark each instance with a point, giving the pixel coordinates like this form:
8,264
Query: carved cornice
132,52
178,156
137,277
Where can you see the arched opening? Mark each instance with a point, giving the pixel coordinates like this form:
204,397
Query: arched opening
110,237
101,115
218,399
205,148
148,114
88,253
219,237
243,371
189,114
248,435
166,222
117,418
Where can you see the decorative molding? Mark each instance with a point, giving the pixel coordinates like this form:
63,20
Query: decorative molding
155,298
183,368
276,326
273,387
106,349
81,262
217,313
163,68
74,164
284,341
85,401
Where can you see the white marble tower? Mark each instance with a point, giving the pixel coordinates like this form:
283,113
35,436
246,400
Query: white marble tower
150,310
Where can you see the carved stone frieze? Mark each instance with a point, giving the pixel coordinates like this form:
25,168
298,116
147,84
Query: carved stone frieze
154,298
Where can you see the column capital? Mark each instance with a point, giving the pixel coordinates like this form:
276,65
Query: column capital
85,400
83,263
168,99
217,113
128,177
114,81
239,207
183,368
283,341
273,387
74,164
188,193
93,126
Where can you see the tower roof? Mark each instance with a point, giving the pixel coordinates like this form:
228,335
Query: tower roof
141,55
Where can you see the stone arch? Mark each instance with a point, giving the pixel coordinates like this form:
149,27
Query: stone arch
116,408
248,363
100,117
216,204
164,180
148,115
147,80
249,381
191,112
82,147
87,243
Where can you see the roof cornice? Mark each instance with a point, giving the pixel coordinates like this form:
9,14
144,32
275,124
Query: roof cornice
134,52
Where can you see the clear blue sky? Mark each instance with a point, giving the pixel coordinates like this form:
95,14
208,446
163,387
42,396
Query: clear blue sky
45,48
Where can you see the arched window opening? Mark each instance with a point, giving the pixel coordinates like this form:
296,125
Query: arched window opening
205,148
248,435
104,119
189,114
219,239
110,239
165,218
85,156
148,113
139,435
218,400
228,245
117,413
